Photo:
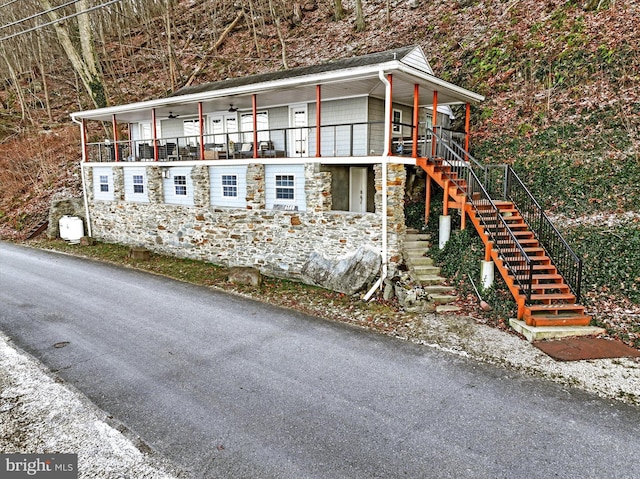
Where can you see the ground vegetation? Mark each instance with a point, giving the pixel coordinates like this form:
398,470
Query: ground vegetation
561,78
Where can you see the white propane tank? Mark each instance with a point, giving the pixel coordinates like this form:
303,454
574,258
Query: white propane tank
71,228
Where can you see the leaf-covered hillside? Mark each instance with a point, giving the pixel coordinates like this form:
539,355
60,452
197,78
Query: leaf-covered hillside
561,78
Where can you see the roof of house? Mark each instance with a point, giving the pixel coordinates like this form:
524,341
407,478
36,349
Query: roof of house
334,65
344,78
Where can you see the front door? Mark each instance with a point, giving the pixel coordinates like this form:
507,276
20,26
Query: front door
358,189
298,133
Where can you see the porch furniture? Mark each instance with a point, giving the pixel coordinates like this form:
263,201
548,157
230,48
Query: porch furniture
145,152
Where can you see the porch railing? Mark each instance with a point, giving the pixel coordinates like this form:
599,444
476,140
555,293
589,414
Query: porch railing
339,140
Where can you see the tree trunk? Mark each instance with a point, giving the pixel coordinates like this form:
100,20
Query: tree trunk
276,19
361,25
84,67
339,10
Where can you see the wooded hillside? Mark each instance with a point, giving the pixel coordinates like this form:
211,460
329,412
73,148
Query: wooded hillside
561,77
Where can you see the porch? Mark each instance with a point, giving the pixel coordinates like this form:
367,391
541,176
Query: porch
346,140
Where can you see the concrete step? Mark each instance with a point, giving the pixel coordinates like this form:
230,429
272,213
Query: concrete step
447,308
442,298
420,260
431,279
417,237
409,245
426,270
438,289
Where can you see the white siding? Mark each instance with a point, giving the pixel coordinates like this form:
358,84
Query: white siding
218,197
338,140
416,59
173,186
132,190
100,174
299,199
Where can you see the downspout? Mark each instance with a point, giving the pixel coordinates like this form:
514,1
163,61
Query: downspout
385,160
84,183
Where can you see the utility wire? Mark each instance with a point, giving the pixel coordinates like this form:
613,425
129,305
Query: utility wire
35,15
37,27
8,3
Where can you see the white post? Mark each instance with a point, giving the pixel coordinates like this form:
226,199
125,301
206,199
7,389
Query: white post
486,274
444,230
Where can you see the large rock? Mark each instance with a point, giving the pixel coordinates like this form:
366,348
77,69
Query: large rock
347,275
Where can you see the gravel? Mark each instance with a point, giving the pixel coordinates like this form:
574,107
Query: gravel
40,414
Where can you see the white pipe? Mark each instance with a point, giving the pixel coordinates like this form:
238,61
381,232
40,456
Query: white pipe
385,161
84,183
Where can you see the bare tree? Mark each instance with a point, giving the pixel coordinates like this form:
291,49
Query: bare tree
83,62
361,25
339,10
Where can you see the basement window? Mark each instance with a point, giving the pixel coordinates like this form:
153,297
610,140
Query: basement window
180,184
104,184
138,184
285,187
230,186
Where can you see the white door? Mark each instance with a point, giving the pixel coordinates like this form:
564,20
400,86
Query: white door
298,134
223,131
358,189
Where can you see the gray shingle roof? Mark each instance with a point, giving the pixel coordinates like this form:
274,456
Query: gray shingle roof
363,60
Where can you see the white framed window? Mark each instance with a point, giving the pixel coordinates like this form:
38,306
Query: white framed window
180,185
135,184
138,184
146,133
191,130
229,186
103,184
177,185
285,187
397,120
262,122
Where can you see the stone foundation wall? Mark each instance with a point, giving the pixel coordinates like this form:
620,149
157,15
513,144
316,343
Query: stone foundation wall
278,243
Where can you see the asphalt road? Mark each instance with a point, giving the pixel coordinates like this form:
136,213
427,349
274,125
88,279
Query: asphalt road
231,388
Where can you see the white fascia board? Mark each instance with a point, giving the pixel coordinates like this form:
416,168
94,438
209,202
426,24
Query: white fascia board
468,95
315,79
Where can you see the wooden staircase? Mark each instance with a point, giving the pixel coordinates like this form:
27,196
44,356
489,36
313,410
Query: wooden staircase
547,300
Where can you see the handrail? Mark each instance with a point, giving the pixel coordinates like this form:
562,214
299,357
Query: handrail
498,231
566,261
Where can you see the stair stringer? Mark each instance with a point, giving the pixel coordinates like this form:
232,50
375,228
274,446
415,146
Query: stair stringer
527,312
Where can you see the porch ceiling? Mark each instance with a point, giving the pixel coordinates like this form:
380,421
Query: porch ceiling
269,94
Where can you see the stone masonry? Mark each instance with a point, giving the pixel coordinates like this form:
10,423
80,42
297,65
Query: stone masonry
278,243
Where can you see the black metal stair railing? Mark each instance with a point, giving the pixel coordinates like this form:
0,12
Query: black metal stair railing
513,256
505,183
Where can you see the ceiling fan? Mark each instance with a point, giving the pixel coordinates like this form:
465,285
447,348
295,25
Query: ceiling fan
232,109
172,116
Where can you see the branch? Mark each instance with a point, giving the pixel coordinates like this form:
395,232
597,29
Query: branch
215,46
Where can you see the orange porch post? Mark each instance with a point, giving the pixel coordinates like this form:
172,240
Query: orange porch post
318,121
427,200
390,80
201,129
467,121
445,199
434,122
154,133
116,153
416,106
254,110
